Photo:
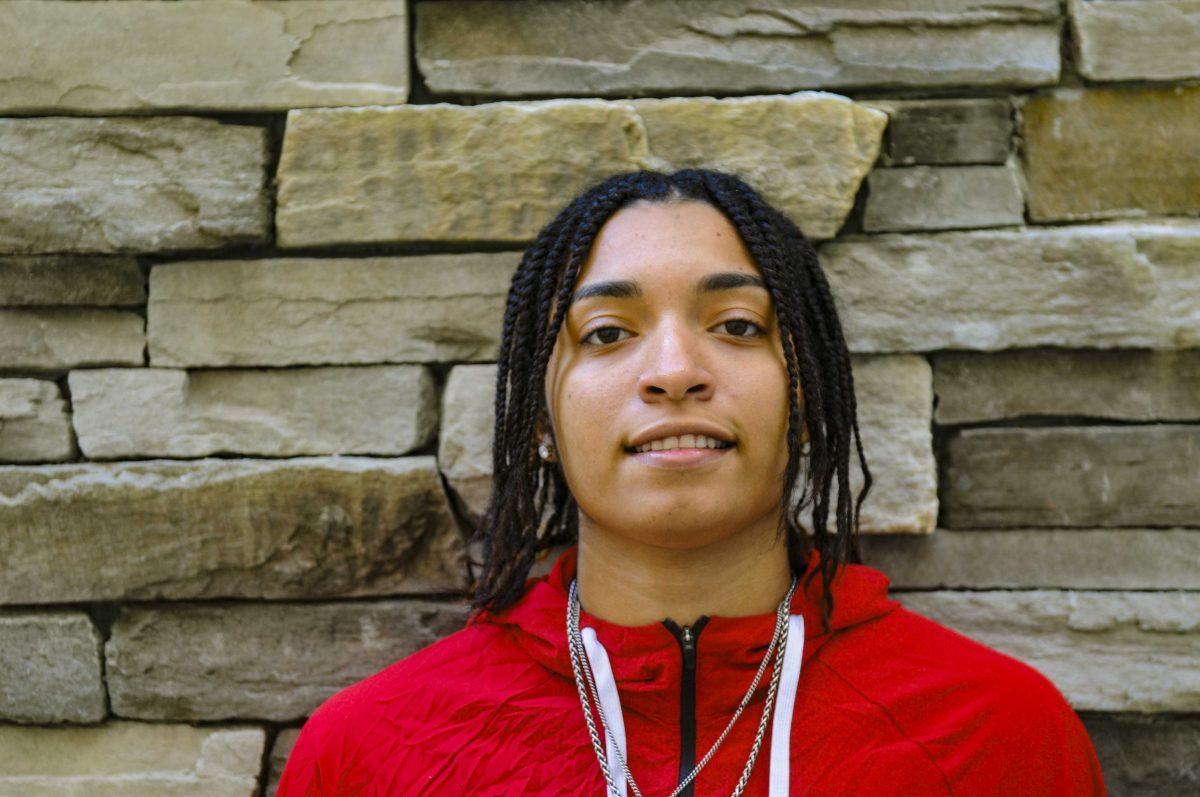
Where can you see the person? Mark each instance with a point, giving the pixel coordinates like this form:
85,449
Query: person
672,370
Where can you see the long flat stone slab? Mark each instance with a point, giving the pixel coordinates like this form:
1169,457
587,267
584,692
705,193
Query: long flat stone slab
1118,384
56,339
196,55
49,668
1105,651
480,173
1146,753
275,661
1031,558
130,759
97,280
165,412
733,46
1117,40
1089,153
1072,476
894,397
185,182
328,311
1116,285
261,528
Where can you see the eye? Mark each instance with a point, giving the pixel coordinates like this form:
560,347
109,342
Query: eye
584,339
743,321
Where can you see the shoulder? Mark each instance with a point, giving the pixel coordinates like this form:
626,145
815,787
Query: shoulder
350,733
972,709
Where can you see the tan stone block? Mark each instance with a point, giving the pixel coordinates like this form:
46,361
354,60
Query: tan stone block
88,184
466,435
1072,476
946,131
198,55
161,412
1125,384
1105,651
1094,286
275,661
943,198
30,280
1103,153
482,173
35,425
1032,558
297,527
130,759
280,750
57,339
806,154
1136,41
49,669
341,311
732,46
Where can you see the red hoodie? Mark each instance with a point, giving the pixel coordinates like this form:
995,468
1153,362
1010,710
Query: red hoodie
888,703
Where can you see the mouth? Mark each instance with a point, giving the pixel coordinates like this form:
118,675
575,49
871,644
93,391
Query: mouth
680,458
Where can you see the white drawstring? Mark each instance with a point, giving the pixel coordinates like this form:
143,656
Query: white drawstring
781,721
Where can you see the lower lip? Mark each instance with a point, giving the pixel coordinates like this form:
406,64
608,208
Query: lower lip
681,458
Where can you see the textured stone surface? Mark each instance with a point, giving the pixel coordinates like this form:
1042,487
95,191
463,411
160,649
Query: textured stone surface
1030,558
49,669
280,750
275,661
942,198
894,397
162,412
314,311
300,527
28,280
466,435
941,132
1090,153
34,423
1094,286
483,172
1117,40
56,339
1126,384
1147,755
130,184
1106,651
233,55
732,46
130,759
1081,476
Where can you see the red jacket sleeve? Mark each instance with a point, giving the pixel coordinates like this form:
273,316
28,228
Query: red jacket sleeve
1046,749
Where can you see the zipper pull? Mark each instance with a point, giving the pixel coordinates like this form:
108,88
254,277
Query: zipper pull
689,648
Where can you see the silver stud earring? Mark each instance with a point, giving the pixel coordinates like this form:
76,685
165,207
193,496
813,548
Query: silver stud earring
546,451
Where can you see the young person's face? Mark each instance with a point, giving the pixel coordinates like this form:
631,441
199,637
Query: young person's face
622,364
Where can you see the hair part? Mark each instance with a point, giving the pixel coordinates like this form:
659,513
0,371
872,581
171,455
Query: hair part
516,526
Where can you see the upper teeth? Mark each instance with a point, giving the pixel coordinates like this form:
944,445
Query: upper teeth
683,441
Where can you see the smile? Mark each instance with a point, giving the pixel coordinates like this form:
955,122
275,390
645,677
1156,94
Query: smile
680,458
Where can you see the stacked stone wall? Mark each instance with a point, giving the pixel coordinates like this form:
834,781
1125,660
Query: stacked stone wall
253,263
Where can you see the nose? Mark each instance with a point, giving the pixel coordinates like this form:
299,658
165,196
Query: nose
674,365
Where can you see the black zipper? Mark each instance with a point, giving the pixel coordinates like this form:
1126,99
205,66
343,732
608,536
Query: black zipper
686,636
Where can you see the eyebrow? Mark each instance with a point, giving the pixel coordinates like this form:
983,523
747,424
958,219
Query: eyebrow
630,289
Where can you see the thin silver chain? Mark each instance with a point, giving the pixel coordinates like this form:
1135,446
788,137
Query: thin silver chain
579,661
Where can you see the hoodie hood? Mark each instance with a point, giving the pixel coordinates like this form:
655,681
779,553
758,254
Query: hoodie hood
642,656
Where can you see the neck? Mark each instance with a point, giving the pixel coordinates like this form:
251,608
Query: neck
631,583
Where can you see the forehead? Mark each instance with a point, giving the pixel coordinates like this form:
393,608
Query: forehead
666,242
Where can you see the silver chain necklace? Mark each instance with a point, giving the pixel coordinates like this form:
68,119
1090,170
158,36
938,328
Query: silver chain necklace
579,662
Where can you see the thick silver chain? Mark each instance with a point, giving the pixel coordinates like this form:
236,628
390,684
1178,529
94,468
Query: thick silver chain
583,670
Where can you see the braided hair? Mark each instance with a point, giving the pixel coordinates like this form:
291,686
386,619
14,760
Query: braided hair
516,528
